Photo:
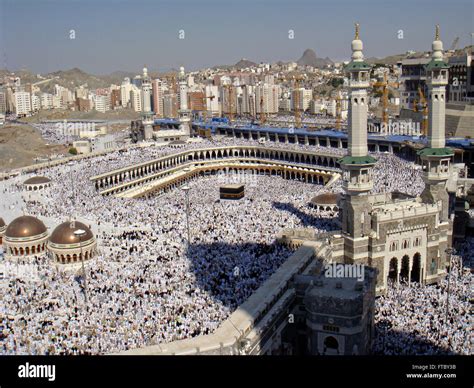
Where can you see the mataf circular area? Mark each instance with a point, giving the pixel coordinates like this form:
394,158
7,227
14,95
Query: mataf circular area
25,236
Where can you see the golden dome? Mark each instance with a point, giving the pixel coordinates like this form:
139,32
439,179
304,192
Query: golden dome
37,180
63,234
25,226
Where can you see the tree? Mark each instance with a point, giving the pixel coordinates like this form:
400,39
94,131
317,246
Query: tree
336,82
73,151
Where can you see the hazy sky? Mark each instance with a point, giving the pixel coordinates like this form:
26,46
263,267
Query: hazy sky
115,35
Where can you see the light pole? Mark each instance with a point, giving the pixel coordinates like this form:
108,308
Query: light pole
79,233
186,190
450,252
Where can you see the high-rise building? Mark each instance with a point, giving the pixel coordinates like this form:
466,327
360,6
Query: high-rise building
57,103
115,96
459,69
269,79
3,102
196,101
157,93
35,102
137,81
248,100
125,89
102,103
136,99
10,99
229,99
304,98
413,76
267,97
22,103
170,105
212,100
64,94
81,92
83,104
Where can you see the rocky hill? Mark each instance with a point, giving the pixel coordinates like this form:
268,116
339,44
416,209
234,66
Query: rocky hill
243,63
309,58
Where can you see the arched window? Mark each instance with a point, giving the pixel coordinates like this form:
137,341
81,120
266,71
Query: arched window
331,346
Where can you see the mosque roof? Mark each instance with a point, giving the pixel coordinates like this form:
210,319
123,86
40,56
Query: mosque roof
427,151
25,226
361,65
433,64
357,160
326,199
63,234
36,180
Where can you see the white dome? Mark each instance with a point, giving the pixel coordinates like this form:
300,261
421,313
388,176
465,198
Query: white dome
357,47
437,48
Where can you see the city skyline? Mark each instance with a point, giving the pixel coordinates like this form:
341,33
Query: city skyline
117,36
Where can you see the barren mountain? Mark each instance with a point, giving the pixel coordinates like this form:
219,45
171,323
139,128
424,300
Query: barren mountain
309,58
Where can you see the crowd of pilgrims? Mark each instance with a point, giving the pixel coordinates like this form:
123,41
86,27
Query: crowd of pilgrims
148,285
322,121
411,319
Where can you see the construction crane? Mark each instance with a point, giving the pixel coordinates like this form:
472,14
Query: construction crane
262,112
204,100
454,45
171,80
424,110
296,100
385,85
229,88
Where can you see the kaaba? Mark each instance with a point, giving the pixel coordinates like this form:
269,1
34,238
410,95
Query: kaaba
232,191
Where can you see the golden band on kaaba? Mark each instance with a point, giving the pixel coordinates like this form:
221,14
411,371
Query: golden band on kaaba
232,191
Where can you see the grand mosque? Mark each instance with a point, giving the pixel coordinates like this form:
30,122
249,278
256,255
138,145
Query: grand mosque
392,236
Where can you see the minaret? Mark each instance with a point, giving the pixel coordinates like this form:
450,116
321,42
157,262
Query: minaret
147,113
146,88
184,113
436,158
357,165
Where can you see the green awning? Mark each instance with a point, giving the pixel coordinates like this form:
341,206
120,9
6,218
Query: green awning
434,65
354,66
357,160
436,152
